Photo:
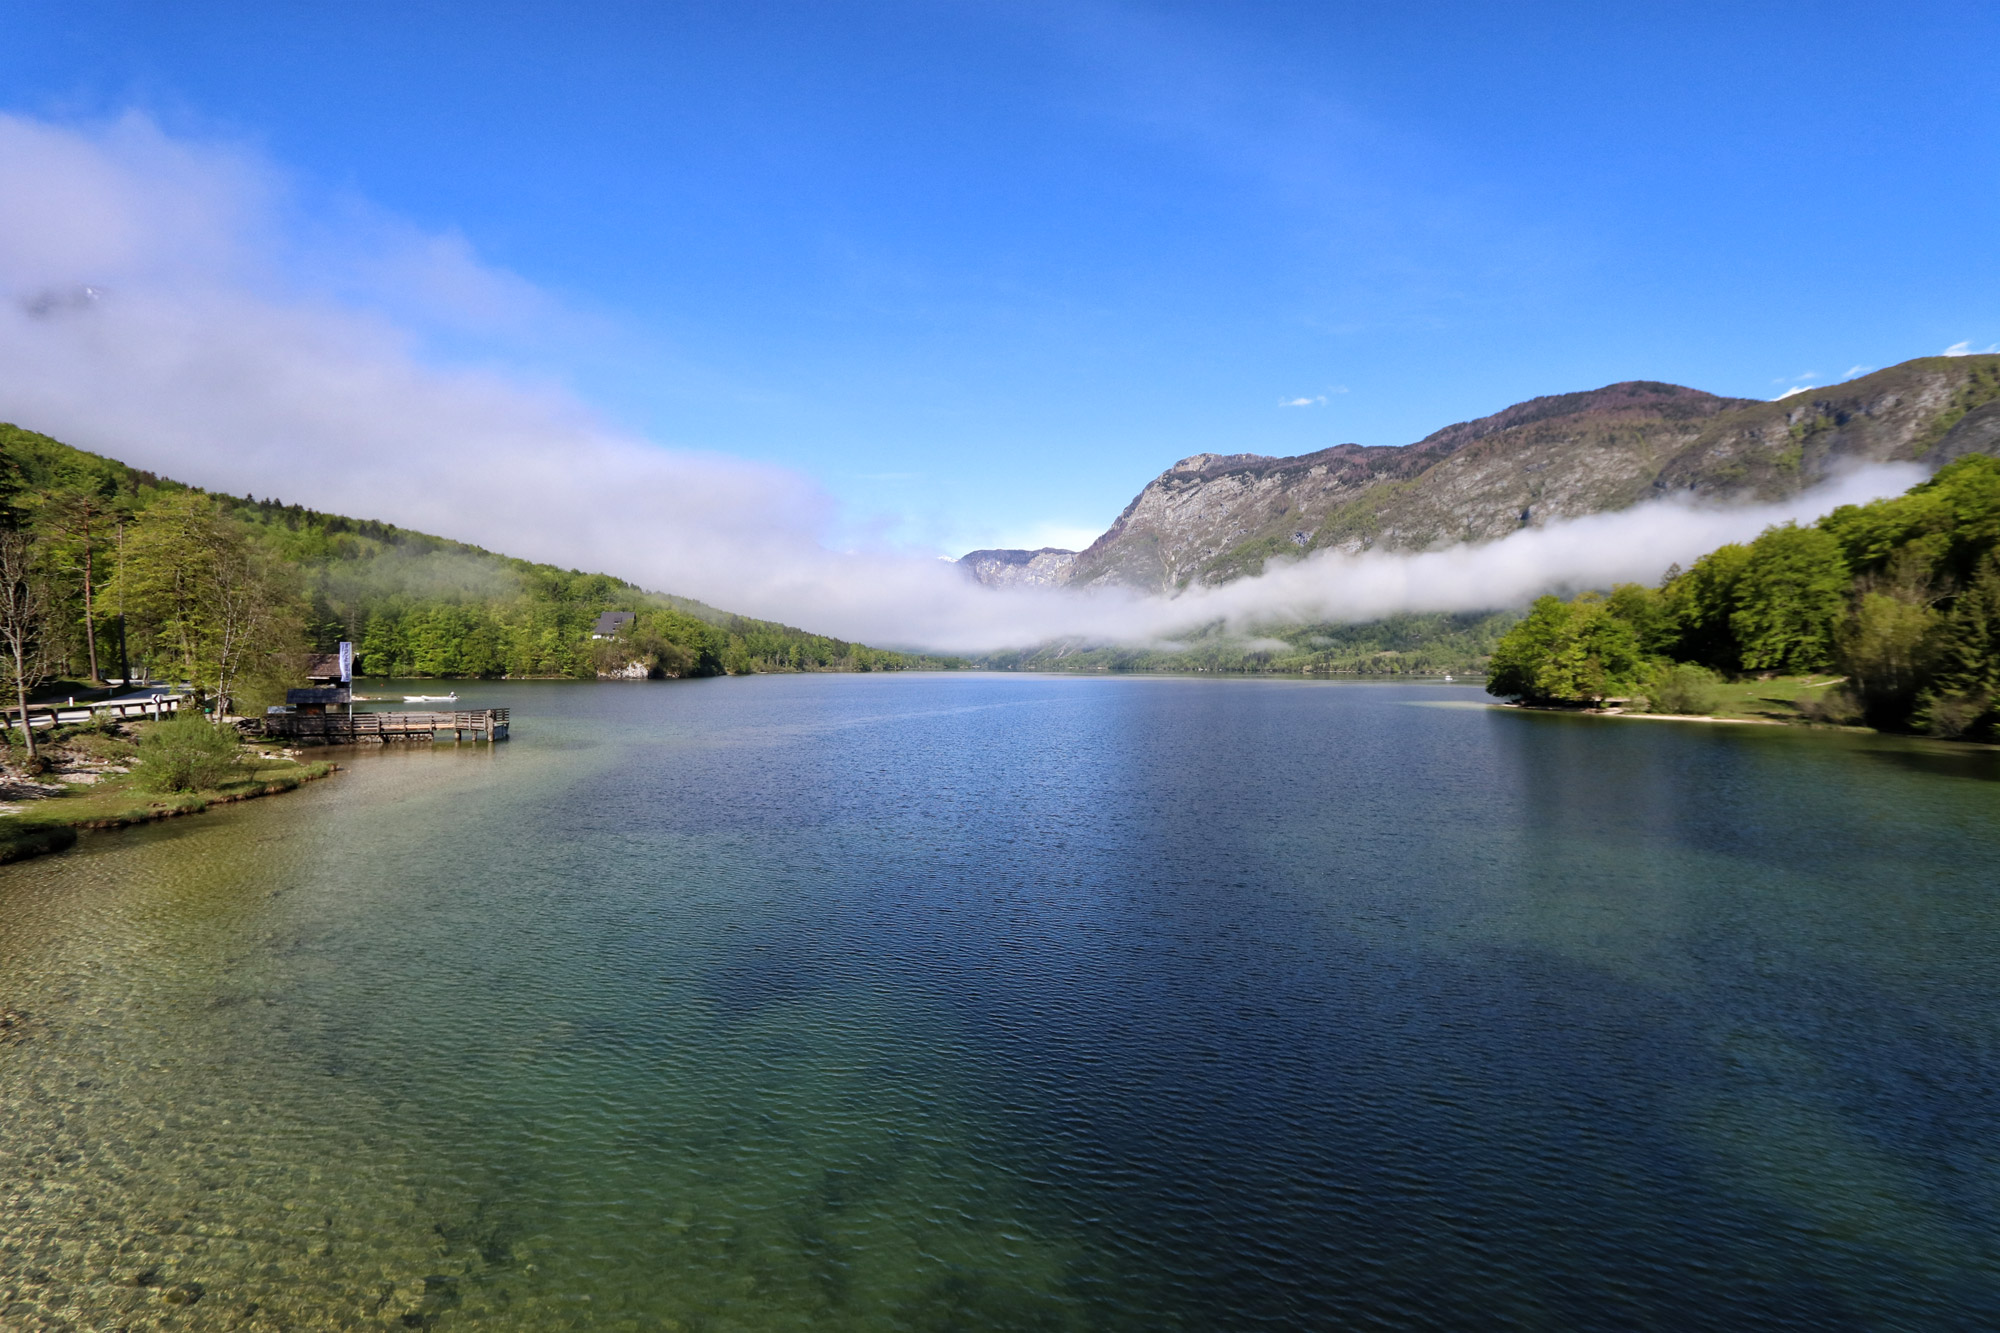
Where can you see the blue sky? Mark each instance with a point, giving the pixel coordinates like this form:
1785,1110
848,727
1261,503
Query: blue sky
983,270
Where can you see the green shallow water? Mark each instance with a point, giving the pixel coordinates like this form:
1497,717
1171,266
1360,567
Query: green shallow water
977,1002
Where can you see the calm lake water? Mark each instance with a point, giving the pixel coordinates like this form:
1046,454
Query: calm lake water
939,1002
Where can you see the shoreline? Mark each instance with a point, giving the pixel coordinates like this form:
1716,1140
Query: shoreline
57,834
1667,717
1800,725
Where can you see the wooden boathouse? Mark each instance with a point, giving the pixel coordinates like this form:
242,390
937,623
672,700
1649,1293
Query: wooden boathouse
323,713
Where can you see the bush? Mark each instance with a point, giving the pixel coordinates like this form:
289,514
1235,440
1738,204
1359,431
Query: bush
187,753
1885,648
1955,715
1683,687
1836,706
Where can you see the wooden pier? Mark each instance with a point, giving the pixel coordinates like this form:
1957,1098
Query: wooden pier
331,728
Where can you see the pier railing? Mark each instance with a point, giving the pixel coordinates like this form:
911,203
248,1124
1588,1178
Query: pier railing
487,724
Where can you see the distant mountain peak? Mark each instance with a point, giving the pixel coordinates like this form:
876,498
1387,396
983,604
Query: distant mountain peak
1213,517
1048,567
1209,462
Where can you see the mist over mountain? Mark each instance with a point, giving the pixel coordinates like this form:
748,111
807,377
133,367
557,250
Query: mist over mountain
154,308
1212,519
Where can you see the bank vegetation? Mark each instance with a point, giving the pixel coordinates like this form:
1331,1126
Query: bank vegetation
111,572
1897,602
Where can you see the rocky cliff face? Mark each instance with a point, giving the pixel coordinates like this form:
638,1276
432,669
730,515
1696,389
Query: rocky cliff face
1046,568
1215,517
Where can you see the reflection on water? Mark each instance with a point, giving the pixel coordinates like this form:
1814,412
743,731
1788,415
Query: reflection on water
974,1002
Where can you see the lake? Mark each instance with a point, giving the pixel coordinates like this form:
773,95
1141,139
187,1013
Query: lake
1018,1002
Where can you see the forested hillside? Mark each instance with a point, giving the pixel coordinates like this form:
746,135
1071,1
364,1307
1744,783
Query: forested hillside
1900,597
1403,645
115,572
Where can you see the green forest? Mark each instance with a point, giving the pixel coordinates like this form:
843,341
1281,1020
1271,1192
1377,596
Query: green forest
107,571
1415,644
1900,597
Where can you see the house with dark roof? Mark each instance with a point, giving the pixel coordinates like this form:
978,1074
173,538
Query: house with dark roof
323,668
610,623
324,687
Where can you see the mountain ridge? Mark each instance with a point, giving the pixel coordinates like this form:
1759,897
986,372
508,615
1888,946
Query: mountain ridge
1213,517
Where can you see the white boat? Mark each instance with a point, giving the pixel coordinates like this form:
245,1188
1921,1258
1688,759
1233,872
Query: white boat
451,698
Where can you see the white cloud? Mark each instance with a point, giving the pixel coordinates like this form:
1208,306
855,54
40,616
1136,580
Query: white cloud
1853,371
1316,401
232,346
1967,349
210,359
1798,383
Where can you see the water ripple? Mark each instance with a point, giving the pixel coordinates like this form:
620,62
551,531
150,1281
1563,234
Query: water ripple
998,1003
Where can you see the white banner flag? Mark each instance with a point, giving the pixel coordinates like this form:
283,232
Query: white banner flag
346,661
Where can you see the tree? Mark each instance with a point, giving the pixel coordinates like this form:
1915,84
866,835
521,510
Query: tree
71,517
1886,649
1519,657
1965,692
382,645
1576,652
1596,658
433,640
1651,614
1790,594
192,582
324,626
1951,522
23,621
76,498
1702,602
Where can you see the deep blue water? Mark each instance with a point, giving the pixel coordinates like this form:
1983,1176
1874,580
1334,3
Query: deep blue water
1016,1002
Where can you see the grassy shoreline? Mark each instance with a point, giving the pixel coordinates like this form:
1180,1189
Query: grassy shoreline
1766,703
1800,723
50,823
1774,700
